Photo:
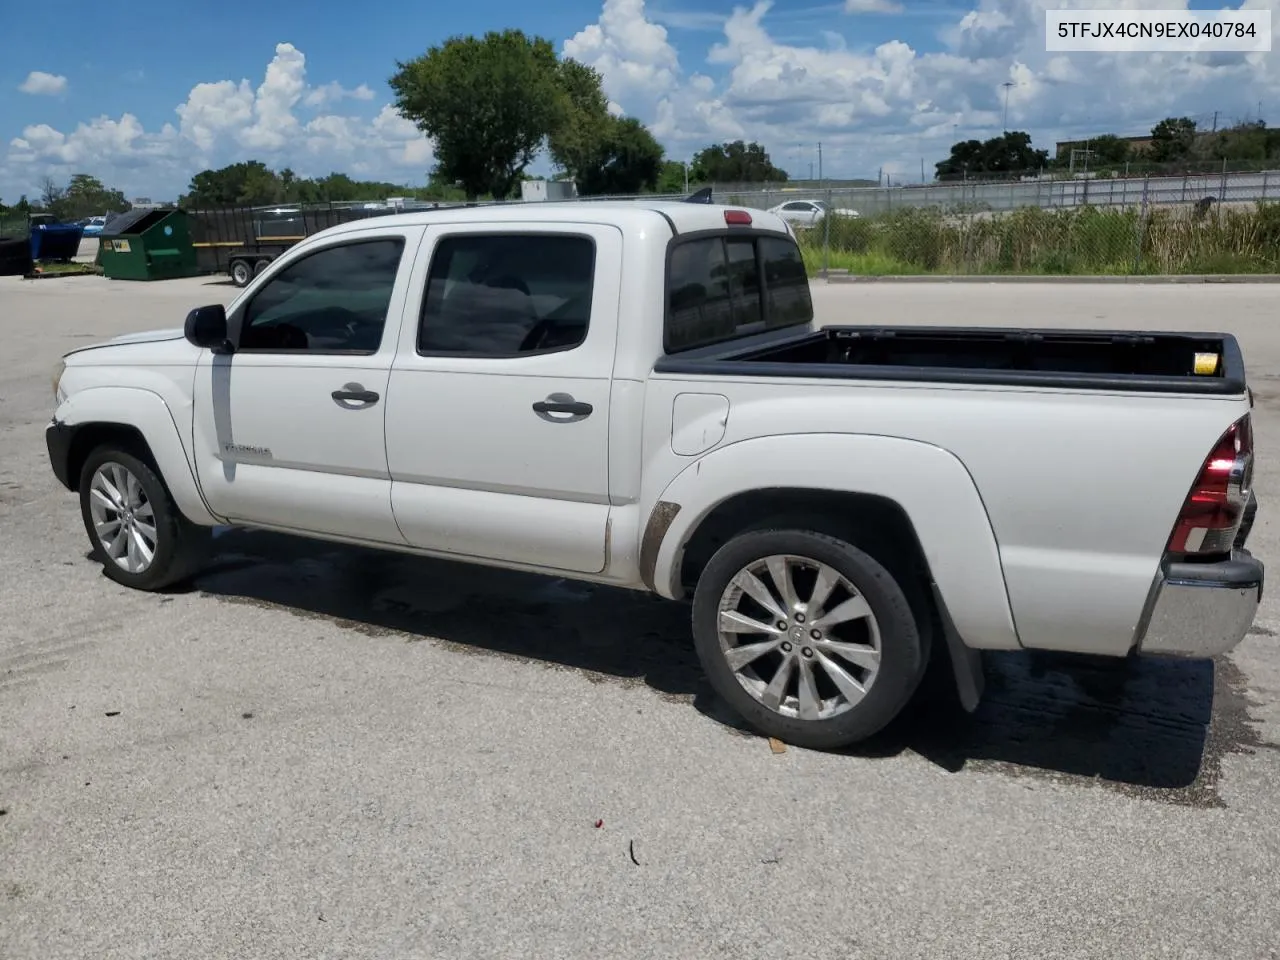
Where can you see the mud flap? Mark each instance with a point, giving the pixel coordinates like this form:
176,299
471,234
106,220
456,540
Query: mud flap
966,663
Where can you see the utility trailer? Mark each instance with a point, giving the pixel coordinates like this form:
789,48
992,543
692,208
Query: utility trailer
242,241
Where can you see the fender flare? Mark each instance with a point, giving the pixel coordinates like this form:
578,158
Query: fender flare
145,411
931,485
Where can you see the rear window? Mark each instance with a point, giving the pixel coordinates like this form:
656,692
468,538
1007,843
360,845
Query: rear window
723,287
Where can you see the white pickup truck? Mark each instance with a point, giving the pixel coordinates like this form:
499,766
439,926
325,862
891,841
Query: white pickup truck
637,394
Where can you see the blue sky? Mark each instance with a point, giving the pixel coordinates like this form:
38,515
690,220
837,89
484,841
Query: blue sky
144,94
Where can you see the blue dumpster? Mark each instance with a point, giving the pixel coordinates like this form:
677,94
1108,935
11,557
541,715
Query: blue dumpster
55,241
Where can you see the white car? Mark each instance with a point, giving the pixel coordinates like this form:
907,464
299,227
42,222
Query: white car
636,394
807,213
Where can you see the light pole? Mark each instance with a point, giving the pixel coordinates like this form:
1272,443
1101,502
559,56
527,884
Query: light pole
1005,119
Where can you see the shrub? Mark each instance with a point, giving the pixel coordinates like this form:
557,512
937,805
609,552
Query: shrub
1034,240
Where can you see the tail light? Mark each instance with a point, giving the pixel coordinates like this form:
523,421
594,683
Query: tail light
1214,509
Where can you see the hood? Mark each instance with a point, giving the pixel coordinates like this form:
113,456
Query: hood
147,336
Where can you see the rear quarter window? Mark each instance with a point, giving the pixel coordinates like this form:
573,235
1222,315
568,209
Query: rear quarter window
729,285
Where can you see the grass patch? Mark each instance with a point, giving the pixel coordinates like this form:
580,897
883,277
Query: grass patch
73,269
1038,242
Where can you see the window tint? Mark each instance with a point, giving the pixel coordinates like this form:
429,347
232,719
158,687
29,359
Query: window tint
744,286
507,294
332,300
787,299
698,283
714,289
797,205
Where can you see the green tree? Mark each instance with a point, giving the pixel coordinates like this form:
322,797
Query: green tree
489,103
288,185
51,194
249,183
1172,139
1108,150
735,162
1010,152
617,155
672,177
86,196
1250,141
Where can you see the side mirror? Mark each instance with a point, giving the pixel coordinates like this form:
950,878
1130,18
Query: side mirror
207,327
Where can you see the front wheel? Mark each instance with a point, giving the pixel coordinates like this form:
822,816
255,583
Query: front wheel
808,638
241,273
138,534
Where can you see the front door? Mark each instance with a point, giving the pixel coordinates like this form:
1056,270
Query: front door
288,429
498,418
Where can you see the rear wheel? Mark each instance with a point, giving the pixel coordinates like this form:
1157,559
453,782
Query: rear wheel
260,266
807,637
138,534
241,273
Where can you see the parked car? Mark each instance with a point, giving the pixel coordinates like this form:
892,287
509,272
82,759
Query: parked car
636,394
808,213
94,225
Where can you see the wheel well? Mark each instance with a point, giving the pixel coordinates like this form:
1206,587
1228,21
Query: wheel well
90,436
875,524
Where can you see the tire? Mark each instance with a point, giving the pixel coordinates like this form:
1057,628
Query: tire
178,545
241,273
880,632
259,266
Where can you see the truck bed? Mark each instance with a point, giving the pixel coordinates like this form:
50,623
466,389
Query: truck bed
1162,362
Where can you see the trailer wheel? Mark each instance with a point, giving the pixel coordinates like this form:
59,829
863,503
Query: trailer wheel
241,273
260,266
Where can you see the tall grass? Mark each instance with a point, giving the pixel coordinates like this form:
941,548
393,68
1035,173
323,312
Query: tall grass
1085,240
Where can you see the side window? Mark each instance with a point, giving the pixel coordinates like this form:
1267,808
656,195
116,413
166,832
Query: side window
788,299
698,308
507,294
333,300
798,205
723,287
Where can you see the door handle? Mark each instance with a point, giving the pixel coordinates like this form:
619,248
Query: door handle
562,403
354,393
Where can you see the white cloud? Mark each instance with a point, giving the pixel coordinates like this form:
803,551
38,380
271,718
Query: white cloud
39,83
872,101
632,53
891,105
333,92
872,6
221,122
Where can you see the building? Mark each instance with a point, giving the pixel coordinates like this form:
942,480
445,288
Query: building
1063,148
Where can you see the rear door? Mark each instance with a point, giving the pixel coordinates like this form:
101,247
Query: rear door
498,412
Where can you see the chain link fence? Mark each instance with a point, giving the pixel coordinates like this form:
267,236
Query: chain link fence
14,224
1224,222
1196,223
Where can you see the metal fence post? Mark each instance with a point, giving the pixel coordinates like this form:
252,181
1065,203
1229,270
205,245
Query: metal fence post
826,239
1142,226
1264,185
1222,193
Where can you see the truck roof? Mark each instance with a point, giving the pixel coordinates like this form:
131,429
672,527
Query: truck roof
681,217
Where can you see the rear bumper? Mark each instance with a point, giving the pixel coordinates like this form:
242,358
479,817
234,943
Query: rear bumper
1204,609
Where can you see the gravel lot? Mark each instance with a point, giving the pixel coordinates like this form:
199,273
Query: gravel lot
322,752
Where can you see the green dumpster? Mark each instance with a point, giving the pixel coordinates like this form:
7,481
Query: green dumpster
147,245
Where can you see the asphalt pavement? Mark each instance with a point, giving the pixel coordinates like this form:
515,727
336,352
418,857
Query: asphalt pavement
319,751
